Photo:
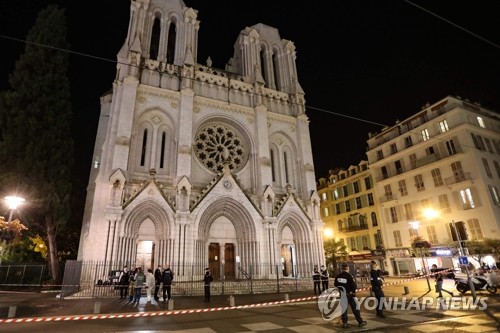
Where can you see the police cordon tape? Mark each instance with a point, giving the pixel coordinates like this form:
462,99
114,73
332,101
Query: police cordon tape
406,280
179,312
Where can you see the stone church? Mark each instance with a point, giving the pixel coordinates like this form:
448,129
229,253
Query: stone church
199,167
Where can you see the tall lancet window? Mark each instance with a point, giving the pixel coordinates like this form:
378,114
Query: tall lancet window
162,152
155,39
287,176
273,166
263,66
144,144
277,84
171,43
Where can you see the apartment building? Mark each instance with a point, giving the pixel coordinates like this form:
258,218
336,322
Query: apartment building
349,212
444,159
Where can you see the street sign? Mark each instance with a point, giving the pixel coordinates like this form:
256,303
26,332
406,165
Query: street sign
463,260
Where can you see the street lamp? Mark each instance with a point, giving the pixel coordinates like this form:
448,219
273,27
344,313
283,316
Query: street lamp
420,245
12,202
462,253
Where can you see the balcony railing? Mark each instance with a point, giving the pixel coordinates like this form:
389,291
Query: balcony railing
458,178
354,228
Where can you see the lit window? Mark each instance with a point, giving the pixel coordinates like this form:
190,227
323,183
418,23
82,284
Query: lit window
425,134
480,121
443,126
466,199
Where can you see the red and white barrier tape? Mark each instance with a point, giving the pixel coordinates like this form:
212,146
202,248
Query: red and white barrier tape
176,312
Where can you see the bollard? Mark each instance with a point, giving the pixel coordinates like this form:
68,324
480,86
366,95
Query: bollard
170,305
97,307
286,297
12,311
231,300
407,290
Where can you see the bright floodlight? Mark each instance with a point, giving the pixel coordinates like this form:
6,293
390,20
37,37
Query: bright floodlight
430,213
415,224
14,202
328,233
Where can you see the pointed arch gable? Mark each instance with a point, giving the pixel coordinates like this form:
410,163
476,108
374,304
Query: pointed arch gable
234,211
153,211
300,230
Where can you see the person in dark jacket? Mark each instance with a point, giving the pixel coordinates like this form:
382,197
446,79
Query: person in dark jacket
123,282
207,280
376,279
167,278
316,281
158,280
324,277
347,285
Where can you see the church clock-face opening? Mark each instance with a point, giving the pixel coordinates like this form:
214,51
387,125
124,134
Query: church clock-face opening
217,144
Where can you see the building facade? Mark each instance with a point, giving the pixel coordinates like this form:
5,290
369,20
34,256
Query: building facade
349,211
444,159
196,166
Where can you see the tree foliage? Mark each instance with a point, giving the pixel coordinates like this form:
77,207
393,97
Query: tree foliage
335,251
36,153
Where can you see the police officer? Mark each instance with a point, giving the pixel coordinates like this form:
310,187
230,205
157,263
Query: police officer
324,277
346,284
376,279
158,280
316,281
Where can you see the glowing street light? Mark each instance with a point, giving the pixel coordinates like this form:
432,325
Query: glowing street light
13,202
415,225
328,233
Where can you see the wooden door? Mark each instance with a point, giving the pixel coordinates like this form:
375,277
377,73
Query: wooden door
214,259
229,261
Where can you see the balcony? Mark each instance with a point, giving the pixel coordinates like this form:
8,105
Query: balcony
458,178
354,228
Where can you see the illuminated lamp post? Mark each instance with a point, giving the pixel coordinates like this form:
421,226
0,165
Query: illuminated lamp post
420,245
12,202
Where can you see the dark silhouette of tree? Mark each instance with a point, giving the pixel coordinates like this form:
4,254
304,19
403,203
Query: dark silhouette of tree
36,148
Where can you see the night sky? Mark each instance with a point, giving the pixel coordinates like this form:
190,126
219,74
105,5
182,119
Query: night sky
362,64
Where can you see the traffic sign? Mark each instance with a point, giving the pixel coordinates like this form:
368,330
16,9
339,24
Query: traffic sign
463,260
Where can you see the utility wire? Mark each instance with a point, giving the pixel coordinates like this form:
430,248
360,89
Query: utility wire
453,24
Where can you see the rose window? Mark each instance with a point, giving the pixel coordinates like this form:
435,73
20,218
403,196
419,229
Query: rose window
219,144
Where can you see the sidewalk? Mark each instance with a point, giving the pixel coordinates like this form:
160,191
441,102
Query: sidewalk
32,304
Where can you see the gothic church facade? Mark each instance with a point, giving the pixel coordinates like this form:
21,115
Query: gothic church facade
196,166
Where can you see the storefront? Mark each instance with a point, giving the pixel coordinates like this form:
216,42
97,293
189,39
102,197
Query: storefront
405,262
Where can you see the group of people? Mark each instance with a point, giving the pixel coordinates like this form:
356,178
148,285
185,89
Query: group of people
320,279
346,284
163,279
131,283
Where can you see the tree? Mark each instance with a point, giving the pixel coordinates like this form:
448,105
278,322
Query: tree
480,248
335,251
36,148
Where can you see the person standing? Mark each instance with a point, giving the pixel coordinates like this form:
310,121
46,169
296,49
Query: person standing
131,286
150,284
439,279
140,278
158,280
347,285
167,278
376,279
123,281
316,281
207,280
324,277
